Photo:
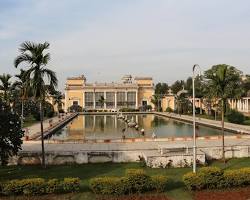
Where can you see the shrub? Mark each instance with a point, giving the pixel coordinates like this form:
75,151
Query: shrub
236,178
71,184
159,183
12,187
235,117
128,110
75,108
193,181
149,107
25,186
212,176
38,186
1,187
61,111
53,186
107,186
168,109
136,181
34,186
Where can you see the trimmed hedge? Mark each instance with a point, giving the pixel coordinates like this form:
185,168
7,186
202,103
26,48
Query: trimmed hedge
137,181
128,110
236,117
134,181
38,186
215,178
71,184
159,183
107,185
236,177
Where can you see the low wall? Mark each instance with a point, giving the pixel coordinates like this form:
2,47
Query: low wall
71,157
176,160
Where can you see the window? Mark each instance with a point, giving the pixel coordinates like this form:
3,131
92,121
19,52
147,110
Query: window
98,96
110,99
89,99
131,99
121,99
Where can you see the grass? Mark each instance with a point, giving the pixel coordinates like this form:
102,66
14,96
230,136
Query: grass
218,118
176,190
29,120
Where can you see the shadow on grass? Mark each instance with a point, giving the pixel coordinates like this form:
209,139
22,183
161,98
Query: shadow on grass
174,185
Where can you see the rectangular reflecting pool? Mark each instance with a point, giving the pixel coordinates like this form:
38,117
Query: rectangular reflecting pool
112,127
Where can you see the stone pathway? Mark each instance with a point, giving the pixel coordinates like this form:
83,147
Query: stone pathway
35,129
135,146
243,129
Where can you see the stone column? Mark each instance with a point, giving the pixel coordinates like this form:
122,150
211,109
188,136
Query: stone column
105,120
115,99
247,105
83,100
136,99
126,98
115,118
94,100
105,96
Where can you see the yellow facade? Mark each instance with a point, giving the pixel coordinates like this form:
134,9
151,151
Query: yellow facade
168,102
132,93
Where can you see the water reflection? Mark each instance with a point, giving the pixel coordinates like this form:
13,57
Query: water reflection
109,127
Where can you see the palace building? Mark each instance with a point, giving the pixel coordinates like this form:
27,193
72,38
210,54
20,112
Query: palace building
129,92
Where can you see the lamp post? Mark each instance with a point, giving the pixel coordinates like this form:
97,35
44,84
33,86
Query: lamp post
196,66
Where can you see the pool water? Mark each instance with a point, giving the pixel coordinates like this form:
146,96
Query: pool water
110,127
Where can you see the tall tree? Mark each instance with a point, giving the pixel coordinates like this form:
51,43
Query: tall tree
246,85
6,86
10,133
223,82
156,100
57,100
42,79
22,84
161,88
177,86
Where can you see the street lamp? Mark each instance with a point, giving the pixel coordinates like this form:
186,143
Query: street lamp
196,66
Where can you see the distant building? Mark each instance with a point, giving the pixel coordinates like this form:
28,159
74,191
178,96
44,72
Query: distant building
130,92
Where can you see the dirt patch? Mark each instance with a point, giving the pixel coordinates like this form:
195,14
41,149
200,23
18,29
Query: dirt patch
232,194
43,197
136,197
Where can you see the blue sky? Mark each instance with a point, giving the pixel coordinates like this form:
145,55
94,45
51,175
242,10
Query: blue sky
105,39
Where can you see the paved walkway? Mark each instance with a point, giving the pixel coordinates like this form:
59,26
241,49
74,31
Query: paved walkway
47,124
243,129
135,146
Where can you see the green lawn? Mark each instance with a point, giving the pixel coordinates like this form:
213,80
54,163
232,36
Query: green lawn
30,120
176,190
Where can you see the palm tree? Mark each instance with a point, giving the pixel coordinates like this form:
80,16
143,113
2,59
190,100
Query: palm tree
23,85
223,82
156,99
41,78
102,101
57,100
6,87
